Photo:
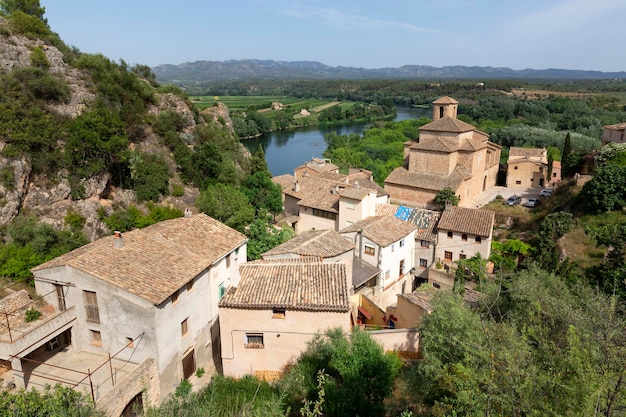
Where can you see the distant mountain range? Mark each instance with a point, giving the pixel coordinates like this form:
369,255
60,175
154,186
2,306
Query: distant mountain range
247,69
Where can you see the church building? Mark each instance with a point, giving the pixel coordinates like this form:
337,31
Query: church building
448,153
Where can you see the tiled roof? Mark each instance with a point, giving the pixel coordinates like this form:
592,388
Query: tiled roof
307,286
472,144
467,220
383,230
445,100
157,260
318,243
401,176
448,124
437,145
354,193
284,181
386,209
618,126
516,152
319,165
424,220
324,198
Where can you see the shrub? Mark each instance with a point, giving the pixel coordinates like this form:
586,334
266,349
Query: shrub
178,190
31,315
151,178
38,58
7,177
199,372
28,25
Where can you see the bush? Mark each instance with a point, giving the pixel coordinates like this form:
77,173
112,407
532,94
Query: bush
151,178
38,58
31,315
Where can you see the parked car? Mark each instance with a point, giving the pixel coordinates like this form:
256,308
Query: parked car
514,200
546,192
532,202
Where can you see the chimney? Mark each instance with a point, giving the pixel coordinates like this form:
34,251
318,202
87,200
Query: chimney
187,212
296,186
118,240
356,185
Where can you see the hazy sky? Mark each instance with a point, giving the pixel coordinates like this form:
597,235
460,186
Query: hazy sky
567,34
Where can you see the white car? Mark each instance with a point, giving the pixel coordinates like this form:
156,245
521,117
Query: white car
546,192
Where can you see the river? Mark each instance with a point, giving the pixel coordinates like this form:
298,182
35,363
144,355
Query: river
286,150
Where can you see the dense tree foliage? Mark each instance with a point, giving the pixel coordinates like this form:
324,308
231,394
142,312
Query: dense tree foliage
227,204
359,374
446,196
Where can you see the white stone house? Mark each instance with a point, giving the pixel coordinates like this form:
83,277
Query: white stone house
388,244
278,306
161,283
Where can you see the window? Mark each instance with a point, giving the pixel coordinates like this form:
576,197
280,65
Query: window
350,205
402,243
254,341
424,243
518,182
325,214
130,342
423,263
96,337
184,327
478,239
448,255
221,290
190,286
236,253
278,313
464,237
393,247
401,269
228,262
387,274
60,296
91,306
554,175
515,167
436,285
462,256
369,250
175,297
449,235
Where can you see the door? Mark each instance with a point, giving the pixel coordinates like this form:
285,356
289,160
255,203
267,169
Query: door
189,364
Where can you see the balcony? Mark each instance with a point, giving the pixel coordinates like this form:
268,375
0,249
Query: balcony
21,339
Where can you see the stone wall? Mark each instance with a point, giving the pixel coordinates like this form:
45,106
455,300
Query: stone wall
13,305
143,379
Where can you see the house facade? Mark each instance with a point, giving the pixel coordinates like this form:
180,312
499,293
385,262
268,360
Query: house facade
448,153
328,200
277,307
388,244
150,293
614,133
528,168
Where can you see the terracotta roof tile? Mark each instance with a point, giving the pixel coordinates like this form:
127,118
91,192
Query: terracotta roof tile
445,100
401,176
318,243
307,286
516,152
383,230
157,260
467,220
423,298
284,181
448,124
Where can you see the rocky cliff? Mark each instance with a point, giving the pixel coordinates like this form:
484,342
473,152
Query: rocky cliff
49,194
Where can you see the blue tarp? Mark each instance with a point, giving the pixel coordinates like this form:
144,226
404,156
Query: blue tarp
403,213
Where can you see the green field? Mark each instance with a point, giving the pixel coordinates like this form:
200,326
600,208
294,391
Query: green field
241,102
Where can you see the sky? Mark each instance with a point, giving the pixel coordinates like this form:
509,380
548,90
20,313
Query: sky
518,34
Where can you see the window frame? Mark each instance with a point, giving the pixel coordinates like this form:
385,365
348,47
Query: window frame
478,240
447,255
369,250
423,263
184,327
279,313
450,235
254,341
96,337
92,310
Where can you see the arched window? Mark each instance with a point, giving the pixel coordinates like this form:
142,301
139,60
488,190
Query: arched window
449,235
478,239
464,237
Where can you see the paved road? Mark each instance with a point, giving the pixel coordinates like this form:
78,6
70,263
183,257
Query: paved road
488,196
